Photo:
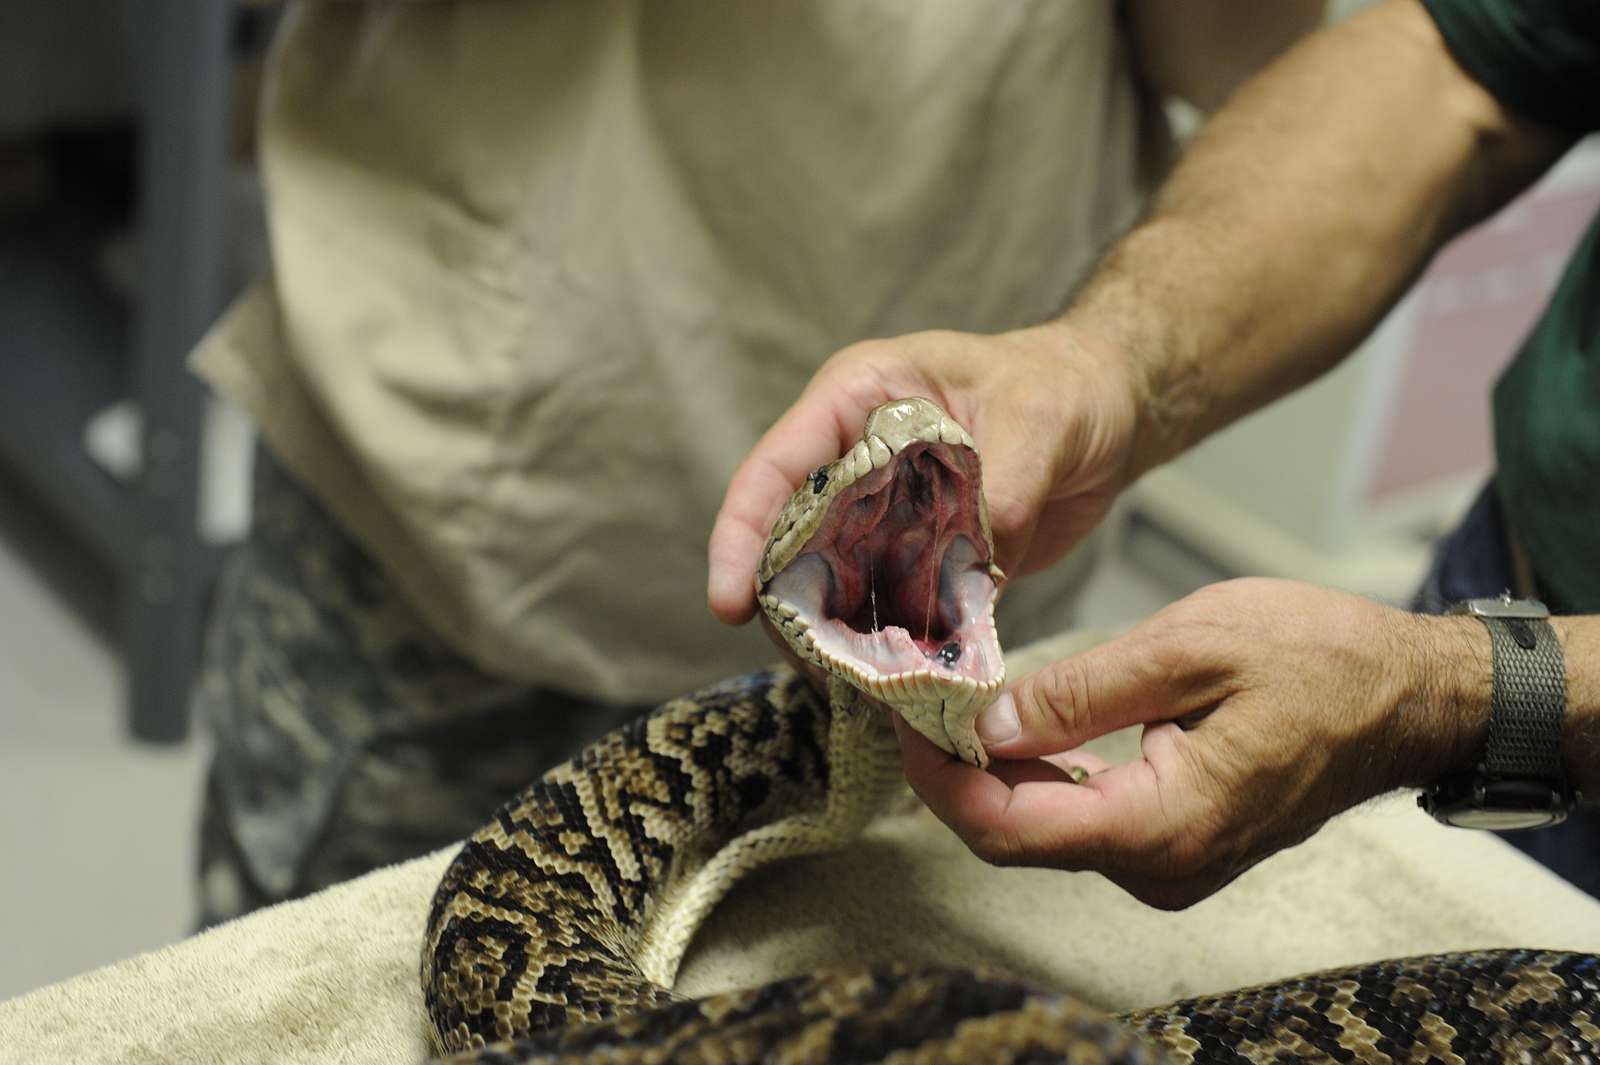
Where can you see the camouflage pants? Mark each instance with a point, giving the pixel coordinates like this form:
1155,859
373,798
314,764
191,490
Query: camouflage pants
347,736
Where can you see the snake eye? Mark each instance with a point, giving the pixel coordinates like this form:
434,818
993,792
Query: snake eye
950,653
819,480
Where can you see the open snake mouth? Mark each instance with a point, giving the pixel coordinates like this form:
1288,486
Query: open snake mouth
881,571
893,578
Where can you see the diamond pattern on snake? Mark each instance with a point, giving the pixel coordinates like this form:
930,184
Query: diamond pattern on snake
556,932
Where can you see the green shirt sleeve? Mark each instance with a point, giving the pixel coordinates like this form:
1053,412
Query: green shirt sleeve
1541,58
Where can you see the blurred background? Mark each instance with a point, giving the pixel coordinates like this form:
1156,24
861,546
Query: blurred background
130,215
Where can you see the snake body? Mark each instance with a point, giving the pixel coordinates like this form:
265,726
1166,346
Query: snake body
556,932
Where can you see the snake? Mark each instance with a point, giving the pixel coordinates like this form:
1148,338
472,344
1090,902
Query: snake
556,932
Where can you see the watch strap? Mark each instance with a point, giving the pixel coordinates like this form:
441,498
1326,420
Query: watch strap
1530,699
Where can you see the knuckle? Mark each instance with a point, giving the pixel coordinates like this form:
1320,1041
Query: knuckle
1191,639
872,348
1196,621
939,338
867,359
1215,605
1172,656
1237,588
1061,696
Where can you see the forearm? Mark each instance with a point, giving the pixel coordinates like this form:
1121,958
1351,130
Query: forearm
1297,218
1443,723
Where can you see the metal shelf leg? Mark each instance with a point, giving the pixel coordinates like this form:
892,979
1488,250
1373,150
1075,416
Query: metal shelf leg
183,161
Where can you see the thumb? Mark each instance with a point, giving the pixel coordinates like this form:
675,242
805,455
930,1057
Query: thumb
1070,702
820,426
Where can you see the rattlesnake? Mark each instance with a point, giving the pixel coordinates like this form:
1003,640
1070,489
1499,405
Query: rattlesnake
556,932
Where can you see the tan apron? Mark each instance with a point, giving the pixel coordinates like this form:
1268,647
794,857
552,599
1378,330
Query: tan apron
545,270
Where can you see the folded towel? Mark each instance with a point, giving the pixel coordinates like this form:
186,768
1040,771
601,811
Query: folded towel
334,977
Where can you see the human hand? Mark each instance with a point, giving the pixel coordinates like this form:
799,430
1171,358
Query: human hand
1052,413
1268,707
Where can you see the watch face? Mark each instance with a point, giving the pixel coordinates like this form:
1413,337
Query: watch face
1496,805
1502,820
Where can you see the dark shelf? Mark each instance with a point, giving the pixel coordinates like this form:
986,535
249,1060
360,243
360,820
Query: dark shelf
69,349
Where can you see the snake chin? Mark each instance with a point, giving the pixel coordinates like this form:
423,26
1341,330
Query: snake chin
893,587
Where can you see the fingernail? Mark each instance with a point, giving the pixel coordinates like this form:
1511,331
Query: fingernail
998,723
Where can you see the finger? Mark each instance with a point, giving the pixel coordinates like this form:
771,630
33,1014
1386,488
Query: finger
1069,766
1110,821
1078,764
952,789
1030,770
821,425
1077,699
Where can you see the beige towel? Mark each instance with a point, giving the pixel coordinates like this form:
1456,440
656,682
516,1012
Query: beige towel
334,978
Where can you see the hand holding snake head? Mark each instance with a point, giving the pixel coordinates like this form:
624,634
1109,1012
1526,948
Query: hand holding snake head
880,571
543,944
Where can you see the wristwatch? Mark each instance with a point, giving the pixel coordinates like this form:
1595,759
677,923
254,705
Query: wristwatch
1520,781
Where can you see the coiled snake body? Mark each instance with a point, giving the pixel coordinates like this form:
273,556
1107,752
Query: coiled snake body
556,932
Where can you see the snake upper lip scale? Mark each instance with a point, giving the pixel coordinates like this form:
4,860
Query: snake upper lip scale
880,569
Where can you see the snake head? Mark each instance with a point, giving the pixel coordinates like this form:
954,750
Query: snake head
880,570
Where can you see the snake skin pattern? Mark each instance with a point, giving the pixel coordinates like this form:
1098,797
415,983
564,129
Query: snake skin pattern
557,931
535,930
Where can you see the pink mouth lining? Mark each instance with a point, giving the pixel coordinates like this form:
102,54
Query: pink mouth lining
896,577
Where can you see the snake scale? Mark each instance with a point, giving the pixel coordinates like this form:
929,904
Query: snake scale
556,932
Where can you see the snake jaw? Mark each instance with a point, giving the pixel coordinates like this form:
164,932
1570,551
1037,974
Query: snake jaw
880,571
